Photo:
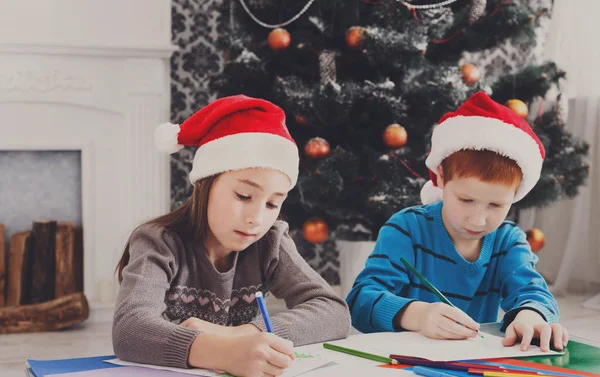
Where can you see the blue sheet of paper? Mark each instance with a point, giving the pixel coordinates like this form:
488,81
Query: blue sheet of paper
41,368
123,372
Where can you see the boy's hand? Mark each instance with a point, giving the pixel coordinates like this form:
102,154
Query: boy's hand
529,324
439,321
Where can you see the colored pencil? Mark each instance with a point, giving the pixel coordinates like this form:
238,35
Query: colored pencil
434,364
427,372
433,289
479,365
263,311
510,374
472,368
450,365
365,355
482,372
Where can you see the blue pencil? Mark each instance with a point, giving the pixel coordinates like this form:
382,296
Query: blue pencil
263,310
427,372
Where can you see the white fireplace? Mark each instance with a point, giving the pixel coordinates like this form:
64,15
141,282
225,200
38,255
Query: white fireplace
92,76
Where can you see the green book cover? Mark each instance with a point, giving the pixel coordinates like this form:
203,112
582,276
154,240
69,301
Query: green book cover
578,356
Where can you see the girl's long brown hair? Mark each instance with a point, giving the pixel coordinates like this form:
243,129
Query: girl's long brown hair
189,221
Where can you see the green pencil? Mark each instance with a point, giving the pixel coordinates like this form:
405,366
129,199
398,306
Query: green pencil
349,351
433,289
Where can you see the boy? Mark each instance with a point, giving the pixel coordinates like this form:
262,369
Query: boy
483,158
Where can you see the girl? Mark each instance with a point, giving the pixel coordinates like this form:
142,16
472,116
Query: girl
189,278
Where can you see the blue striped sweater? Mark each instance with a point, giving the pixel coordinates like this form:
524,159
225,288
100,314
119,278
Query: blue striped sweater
503,276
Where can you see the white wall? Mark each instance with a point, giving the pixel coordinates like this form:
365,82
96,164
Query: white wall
132,23
571,258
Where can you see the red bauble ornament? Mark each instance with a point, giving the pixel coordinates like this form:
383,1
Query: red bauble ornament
355,37
317,148
279,39
470,74
518,107
301,120
315,230
536,239
395,136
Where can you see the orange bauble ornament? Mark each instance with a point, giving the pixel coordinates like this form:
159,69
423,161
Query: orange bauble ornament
317,148
279,39
355,37
470,74
315,230
536,239
518,107
395,136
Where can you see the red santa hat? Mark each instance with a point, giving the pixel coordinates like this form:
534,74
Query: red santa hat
482,124
233,133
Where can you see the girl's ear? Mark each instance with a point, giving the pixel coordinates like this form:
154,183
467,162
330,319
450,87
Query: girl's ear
440,176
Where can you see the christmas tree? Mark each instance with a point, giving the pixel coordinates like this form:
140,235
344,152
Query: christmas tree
363,83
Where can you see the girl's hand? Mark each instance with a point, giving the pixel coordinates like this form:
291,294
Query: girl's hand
211,328
528,324
259,355
439,321
205,326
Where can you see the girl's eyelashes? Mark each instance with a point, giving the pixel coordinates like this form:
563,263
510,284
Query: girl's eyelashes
247,198
243,197
465,200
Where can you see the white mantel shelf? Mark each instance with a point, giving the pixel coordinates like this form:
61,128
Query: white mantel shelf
93,51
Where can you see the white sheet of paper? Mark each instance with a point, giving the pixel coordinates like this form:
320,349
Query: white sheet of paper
353,371
302,364
418,345
194,372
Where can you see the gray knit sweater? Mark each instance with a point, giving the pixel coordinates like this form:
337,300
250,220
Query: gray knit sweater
169,279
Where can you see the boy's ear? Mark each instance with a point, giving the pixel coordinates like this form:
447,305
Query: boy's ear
440,177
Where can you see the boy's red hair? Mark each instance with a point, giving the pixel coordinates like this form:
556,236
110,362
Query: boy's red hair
486,165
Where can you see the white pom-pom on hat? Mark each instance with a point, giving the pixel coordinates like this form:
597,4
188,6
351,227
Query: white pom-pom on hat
431,193
165,138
